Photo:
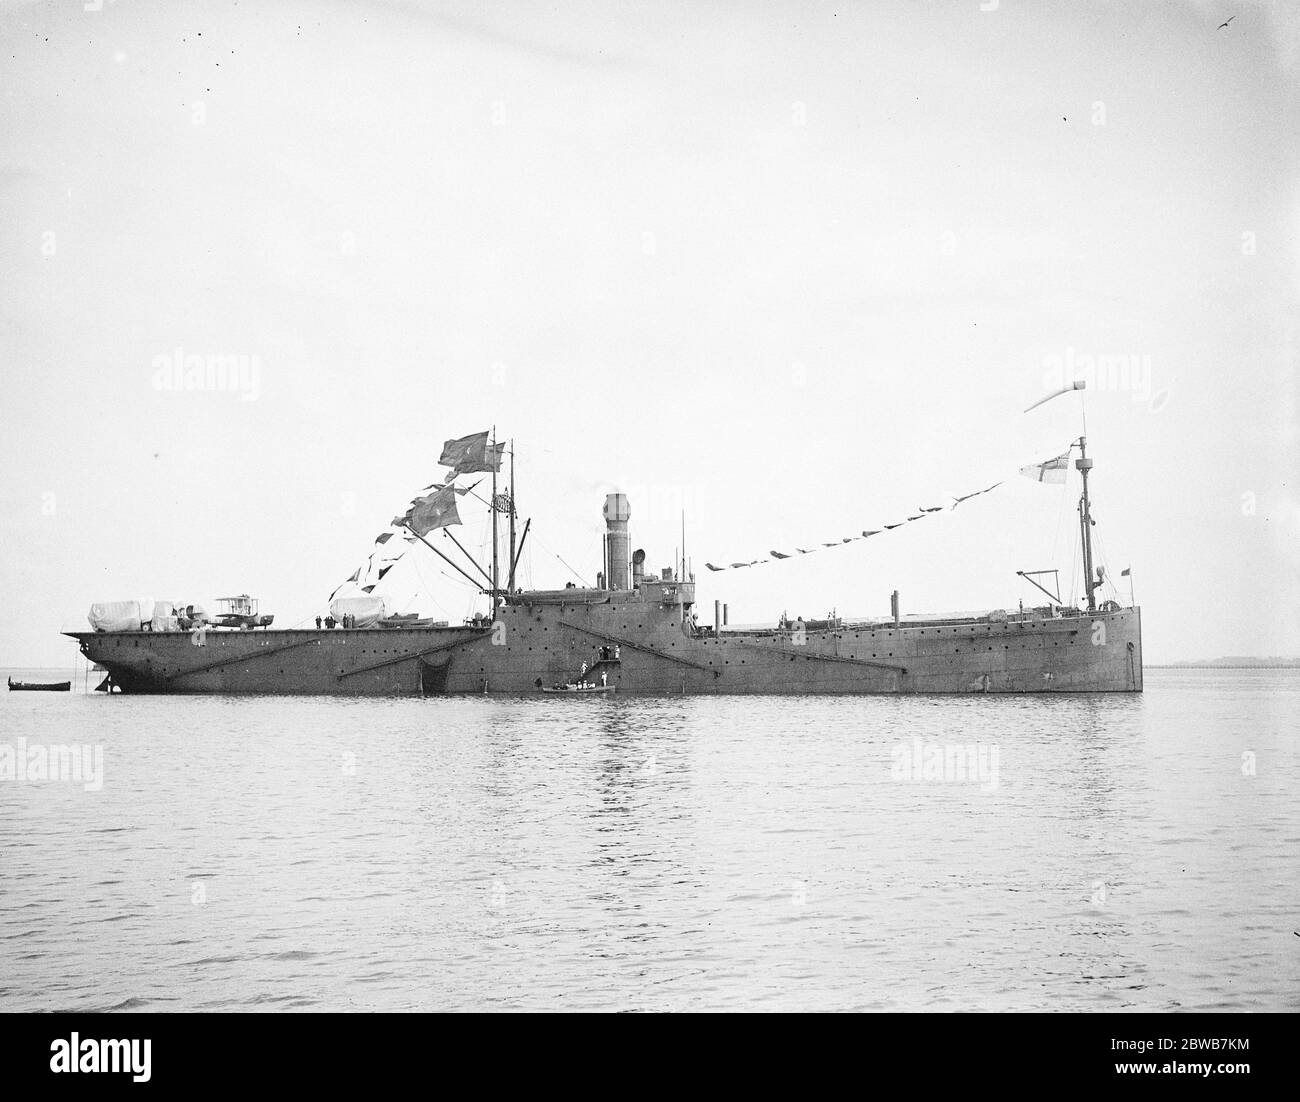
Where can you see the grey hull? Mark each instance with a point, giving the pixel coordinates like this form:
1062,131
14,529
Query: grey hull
545,642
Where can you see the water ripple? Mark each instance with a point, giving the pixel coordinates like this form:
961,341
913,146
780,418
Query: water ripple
659,854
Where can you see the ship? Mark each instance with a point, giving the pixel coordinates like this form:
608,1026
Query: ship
633,632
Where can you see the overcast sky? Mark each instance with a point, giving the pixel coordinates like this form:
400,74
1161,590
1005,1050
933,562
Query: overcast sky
795,267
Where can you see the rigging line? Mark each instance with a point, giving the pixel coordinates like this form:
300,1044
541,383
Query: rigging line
467,555
1076,559
484,533
1062,509
573,572
550,551
1099,558
1105,561
487,551
421,586
1069,570
428,589
458,581
424,589
471,493
470,604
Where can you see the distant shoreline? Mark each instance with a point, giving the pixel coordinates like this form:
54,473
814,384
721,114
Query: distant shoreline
1221,664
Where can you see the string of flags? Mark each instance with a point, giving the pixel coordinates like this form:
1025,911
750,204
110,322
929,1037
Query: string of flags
436,508
431,510
866,533
1050,470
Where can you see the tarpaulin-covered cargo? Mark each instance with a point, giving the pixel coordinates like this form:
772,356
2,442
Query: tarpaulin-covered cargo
120,615
366,612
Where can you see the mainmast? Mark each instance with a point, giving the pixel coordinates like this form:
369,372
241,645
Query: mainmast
1084,465
1090,582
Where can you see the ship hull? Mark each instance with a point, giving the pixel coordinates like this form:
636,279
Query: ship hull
542,644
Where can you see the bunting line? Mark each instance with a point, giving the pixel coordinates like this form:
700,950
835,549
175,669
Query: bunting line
1051,470
866,533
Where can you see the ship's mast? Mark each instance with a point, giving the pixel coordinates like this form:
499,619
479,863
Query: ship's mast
510,574
1084,465
495,540
682,576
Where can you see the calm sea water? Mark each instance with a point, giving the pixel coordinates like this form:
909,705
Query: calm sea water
659,854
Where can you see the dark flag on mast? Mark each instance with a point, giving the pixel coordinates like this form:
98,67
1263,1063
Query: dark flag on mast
472,453
435,510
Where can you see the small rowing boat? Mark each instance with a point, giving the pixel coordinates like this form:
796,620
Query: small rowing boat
39,686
